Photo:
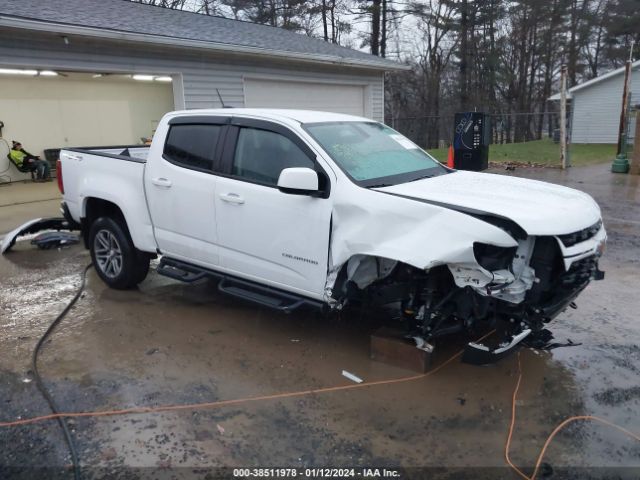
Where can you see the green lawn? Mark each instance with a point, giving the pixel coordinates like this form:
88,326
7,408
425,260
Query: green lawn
543,152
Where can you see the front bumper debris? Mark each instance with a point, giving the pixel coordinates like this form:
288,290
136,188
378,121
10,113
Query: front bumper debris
34,226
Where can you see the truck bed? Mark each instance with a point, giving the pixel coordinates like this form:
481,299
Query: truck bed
113,174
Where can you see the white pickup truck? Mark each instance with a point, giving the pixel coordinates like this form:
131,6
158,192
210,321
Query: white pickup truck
288,208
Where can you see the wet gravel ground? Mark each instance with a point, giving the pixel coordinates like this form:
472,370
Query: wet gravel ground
169,343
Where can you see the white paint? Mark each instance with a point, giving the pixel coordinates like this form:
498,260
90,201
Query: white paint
298,179
540,208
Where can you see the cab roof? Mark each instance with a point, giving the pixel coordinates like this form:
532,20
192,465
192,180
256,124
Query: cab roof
281,114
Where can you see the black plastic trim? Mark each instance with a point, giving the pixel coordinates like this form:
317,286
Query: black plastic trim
106,147
108,155
200,120
276,128
237,287
73,225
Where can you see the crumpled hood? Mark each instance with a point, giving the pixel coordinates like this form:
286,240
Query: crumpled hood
540,208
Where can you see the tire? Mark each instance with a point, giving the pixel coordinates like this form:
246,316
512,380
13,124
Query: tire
116,260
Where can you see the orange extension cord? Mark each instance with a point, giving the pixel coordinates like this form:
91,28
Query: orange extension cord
555,431
223,403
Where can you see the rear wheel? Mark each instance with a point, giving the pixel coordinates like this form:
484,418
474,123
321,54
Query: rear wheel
116,260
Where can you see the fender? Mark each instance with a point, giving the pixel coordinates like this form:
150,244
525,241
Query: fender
419,234
134,208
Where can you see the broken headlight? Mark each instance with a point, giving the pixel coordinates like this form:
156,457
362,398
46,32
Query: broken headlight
492,258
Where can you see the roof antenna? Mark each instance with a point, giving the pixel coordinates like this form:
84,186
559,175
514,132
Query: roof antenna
221,101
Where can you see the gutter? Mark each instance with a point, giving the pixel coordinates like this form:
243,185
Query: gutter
66,29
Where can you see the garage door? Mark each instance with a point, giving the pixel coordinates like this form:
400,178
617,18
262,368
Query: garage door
327,97
77,109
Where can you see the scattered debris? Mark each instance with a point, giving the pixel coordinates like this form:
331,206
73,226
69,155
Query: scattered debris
422,344
295,340
33,226
542,341
49,240
220,428
512,165
481,354
351,376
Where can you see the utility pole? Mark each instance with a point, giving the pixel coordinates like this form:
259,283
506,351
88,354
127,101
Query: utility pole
621,164
563,117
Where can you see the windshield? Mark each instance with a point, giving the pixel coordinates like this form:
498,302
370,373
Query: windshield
374,155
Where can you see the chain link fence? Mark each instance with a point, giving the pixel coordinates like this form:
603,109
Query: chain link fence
432,132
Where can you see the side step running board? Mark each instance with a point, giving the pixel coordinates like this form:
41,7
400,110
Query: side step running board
236,287
180,271
262,295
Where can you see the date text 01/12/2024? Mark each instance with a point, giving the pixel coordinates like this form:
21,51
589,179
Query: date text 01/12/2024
315,473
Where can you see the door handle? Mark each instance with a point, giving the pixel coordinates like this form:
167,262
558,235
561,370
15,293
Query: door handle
232,198
161,182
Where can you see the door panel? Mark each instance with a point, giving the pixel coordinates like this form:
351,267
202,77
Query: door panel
181,194
273,236
263,233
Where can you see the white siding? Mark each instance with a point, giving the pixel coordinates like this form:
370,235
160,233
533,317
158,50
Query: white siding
334,97
596,115
201,73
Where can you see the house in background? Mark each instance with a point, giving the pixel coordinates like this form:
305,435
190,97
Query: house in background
596,105
103,72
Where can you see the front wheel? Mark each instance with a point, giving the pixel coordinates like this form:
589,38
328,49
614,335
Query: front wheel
117,261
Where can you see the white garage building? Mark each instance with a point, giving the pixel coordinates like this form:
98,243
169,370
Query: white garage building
596,106
103,72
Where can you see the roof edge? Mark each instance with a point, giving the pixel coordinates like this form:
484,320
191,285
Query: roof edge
62,28
595,80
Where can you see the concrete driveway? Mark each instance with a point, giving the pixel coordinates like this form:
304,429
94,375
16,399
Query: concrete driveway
172,344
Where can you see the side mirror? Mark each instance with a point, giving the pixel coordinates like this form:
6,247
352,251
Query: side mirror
298,181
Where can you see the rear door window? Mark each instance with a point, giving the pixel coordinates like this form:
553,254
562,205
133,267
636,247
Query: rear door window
192,146
261,155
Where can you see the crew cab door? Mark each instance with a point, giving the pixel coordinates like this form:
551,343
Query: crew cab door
264,234
181,189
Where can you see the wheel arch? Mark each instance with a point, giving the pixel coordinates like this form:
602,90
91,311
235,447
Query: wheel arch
95,208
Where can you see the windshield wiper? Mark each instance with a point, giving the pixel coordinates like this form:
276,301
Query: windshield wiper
422,178
381,185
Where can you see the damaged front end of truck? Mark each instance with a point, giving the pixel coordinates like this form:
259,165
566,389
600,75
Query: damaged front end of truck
469,283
